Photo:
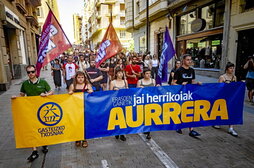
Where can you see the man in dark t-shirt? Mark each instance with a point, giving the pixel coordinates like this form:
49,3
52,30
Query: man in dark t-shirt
183,76
95,76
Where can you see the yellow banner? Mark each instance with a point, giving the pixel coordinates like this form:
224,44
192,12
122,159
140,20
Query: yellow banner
40,121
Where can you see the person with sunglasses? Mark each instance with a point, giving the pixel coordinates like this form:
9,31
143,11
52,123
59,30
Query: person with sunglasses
34,87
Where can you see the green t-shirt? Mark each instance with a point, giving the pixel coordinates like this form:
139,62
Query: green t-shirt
35,89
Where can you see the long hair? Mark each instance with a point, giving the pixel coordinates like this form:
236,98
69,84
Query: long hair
79,73
176,62
118,69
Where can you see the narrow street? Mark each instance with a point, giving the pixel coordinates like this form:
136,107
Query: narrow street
214,149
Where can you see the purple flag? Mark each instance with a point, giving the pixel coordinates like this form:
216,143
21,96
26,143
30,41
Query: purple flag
168,52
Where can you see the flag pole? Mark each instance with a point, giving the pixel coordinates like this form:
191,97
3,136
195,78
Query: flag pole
58,23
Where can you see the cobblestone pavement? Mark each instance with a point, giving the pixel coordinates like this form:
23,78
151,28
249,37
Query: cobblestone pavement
214,149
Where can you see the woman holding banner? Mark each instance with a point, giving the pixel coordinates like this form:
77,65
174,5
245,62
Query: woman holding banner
228,77
80,84
147,81
117,84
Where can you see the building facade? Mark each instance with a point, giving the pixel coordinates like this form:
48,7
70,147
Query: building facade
99,20
200,30
241,34
19,38
77,29
42,11
158,20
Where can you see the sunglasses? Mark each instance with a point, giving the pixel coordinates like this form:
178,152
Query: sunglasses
28,72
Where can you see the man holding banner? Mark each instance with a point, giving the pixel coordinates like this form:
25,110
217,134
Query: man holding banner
183,76
34,87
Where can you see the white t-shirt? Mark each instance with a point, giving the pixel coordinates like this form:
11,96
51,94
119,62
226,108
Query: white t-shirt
154,63
70,70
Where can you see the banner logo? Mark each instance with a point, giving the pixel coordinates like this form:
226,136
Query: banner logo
50,114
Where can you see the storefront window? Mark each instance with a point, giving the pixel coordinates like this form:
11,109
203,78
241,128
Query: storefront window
212,14
185,22
220,9
207,13
206,51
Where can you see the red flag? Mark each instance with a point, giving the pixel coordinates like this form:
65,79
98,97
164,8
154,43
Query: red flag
53,42
110,46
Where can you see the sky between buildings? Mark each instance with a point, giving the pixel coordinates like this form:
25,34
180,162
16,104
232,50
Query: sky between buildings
66,9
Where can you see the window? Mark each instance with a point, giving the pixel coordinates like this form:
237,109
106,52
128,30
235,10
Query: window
212,14
122,7
122,20
142,44
98,21
122,34
185,23
109,8
137,8
246,5
98,10
206,51
38,11
207,13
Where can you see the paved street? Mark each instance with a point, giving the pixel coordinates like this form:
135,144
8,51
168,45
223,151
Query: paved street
214,149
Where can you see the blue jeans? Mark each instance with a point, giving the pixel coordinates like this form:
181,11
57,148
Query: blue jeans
132,85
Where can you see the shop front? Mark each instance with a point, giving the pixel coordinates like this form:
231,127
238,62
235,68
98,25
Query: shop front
199,32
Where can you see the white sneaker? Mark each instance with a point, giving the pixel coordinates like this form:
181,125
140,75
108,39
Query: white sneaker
216,126
232,132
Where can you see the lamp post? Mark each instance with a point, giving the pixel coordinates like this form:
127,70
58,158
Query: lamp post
147,26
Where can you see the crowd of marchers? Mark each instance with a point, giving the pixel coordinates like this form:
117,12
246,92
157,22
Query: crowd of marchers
77,72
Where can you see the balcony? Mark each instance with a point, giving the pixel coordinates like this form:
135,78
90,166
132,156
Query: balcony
98,2
31,16
156,9
32,19
35,3
21,6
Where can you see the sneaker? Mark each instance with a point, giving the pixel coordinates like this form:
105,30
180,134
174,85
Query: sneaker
232,132
33,156
122,137
216,126
117,136
179,131
148,136
194,133
45,149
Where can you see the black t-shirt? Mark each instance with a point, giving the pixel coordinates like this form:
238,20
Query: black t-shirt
105,74
94,73
184,75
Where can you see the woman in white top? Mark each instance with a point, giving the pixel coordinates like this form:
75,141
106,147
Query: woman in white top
155,65
147,81
117,84
147,62
81,63
228,77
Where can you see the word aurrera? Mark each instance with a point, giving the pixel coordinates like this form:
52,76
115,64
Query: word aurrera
168,97
187,112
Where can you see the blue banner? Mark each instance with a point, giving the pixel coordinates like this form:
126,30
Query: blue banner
137,110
